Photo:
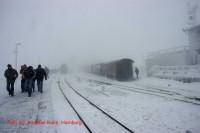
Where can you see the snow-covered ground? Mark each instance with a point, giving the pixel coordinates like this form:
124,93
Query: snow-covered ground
191,90
142,113
19,114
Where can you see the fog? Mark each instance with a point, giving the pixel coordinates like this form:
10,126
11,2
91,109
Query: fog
52,32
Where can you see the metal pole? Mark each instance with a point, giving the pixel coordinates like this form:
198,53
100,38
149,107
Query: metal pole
16,56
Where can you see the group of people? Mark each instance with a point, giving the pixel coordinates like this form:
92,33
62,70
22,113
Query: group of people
28,77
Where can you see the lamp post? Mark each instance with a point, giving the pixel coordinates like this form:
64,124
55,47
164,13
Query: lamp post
16,53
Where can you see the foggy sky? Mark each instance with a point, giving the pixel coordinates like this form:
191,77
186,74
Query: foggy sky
80,31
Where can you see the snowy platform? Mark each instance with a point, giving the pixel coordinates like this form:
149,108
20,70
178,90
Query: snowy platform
140,112
41,113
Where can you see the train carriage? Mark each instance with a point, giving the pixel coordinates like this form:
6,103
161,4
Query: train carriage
121,70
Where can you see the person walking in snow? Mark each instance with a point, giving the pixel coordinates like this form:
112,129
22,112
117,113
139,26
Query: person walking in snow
33,83
11,75
137,72
23,67
29,75
40,75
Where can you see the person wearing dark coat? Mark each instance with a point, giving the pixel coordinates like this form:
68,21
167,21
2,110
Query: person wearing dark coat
137,72
33,83
29,75
23,67
11,75
40,75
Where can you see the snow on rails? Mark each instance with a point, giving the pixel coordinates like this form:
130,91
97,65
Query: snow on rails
102,118
152,91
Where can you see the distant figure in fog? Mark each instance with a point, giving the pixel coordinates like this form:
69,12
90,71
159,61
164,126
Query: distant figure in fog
29,75
40,75
10,75
47,71
137,72
23,67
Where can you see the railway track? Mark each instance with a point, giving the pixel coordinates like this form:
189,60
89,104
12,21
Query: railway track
173,92
93,105
77,113
153,91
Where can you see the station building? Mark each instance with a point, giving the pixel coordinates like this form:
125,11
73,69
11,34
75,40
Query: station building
179,62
